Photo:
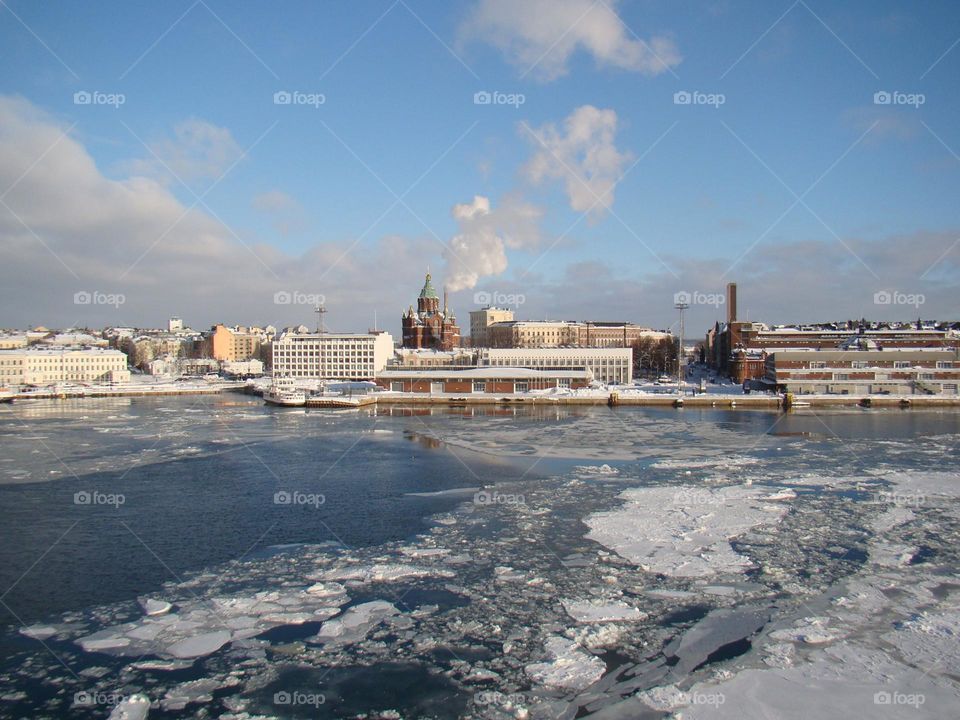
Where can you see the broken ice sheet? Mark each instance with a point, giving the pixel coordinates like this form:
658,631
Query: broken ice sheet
683,531
570,667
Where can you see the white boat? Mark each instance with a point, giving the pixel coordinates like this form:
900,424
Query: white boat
284,392
6,396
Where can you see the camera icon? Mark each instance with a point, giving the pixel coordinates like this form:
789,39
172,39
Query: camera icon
82,298
884,297
282,498
282,297
482,298
282,97
682,298
682,97
482,498
83,698
882,97
82,97
482,98
282,698
82,498
882,698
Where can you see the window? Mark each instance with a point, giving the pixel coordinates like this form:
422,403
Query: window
944,365
817,365
521,387
479,386
858,364
901,364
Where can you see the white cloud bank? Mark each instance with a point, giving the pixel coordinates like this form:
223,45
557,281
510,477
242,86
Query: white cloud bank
540,36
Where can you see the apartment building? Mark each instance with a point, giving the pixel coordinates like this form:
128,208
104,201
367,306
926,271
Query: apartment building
47,365
480,320
234,343
340,356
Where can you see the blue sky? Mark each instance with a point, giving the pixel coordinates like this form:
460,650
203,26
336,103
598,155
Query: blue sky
706,197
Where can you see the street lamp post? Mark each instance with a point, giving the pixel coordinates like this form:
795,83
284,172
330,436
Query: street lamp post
681,306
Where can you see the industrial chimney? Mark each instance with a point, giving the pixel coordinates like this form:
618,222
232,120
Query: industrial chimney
731,303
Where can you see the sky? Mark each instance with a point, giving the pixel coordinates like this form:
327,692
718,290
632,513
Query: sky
572,159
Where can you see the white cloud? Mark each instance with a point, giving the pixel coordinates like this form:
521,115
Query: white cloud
198,150
539,36
83,231
583,154
479,249
286,213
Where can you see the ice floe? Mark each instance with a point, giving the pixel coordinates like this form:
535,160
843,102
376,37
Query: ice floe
683,531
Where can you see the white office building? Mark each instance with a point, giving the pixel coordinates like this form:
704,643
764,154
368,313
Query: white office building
334,356
608,365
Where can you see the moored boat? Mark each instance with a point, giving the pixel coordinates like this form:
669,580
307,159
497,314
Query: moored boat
283,392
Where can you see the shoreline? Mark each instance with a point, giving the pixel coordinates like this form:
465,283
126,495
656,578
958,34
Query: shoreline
612,399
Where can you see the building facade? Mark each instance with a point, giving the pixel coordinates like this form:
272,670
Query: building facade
608,365
430,327
234,343
847,372
43,366
335,356
563,333
480,320
489,380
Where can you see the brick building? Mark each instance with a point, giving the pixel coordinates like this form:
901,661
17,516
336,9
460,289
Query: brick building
429,327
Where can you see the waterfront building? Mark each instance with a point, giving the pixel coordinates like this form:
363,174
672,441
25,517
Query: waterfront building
485,380
340,356
46,365
740,348
429,326
868,371
608,365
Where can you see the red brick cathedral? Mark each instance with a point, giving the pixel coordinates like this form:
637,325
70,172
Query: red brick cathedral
429,327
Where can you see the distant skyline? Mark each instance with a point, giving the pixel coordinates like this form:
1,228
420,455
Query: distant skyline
591,158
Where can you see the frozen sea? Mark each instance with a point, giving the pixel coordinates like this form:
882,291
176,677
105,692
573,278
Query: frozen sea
212,557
